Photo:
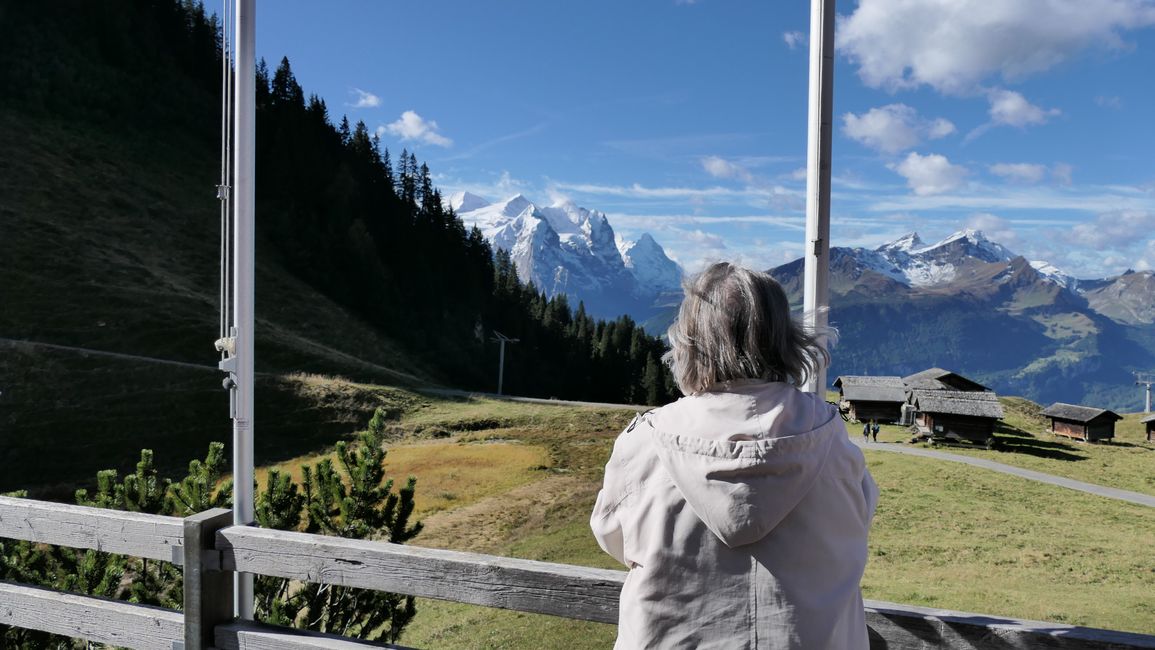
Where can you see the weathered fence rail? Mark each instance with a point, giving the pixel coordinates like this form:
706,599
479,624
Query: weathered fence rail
210,549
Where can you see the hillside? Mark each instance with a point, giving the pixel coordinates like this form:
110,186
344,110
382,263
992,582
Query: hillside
111,244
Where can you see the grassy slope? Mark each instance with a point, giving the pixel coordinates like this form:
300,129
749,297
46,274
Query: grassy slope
1128,463
945,535
110,242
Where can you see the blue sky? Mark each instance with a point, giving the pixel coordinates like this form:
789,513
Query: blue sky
1030,120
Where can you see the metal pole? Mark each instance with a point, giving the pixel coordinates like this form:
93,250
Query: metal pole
1147,408
501,367
244,166
816,280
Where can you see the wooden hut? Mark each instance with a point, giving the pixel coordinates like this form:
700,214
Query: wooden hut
871,398
940,379
1081,422
1149,421
957,414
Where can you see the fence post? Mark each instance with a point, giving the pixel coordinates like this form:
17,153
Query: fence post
208,591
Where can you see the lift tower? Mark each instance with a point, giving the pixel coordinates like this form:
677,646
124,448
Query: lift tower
1145,379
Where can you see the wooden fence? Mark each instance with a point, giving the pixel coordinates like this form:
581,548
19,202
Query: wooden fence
210,549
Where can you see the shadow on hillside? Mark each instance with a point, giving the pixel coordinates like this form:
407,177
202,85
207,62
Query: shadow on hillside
1015,440
1130,445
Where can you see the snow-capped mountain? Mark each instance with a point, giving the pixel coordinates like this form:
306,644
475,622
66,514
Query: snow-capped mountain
564,248
970,304
655,273
916,264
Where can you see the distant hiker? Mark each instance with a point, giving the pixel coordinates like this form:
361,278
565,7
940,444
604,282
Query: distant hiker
866,431
742,509
874,429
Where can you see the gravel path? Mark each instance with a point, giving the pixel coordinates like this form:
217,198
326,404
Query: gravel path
1071,484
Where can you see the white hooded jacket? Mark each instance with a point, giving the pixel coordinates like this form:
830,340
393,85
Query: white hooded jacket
742,514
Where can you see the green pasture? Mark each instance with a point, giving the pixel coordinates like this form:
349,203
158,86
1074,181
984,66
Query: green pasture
945,535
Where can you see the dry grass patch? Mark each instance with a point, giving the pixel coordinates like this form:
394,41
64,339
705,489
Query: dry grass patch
454,474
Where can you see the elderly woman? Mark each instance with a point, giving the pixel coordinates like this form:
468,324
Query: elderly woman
742,509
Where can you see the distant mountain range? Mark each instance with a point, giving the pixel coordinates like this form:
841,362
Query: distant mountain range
971,305
966,303
566,249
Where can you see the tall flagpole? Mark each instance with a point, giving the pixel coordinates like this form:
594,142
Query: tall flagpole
816,280
244,166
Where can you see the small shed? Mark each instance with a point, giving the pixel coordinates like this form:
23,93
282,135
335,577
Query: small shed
1081,422
872,398
957,414
940,379
1149,421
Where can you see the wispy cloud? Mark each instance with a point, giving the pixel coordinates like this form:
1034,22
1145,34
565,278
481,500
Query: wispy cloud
1009,108
412,127
364,99
1109,101
795,40
502,139
1019,172
639,191
680,146
1093,199
721,168
658,221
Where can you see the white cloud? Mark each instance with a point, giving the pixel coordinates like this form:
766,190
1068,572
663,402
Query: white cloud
364,99
722,168
893,128
1012,109
953,45
1061,172
794,40
930,174
411,126
1020,172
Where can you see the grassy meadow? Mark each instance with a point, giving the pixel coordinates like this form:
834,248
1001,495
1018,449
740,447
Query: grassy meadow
520,480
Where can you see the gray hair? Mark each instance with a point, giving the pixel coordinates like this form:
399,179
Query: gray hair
735,323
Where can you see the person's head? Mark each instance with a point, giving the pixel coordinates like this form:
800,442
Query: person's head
735,323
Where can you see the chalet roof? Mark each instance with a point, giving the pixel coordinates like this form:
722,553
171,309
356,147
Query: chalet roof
1149,418
868,388
941,379
982,404
1077,413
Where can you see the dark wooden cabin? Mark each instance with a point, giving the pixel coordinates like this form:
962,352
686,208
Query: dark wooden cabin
940,379
871,398
957,414
1084,423
1149,421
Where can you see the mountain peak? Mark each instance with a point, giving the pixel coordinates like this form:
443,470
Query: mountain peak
971,243
515,205
907,243
466,202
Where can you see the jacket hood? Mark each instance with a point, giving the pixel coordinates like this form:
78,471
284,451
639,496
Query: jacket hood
737,468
